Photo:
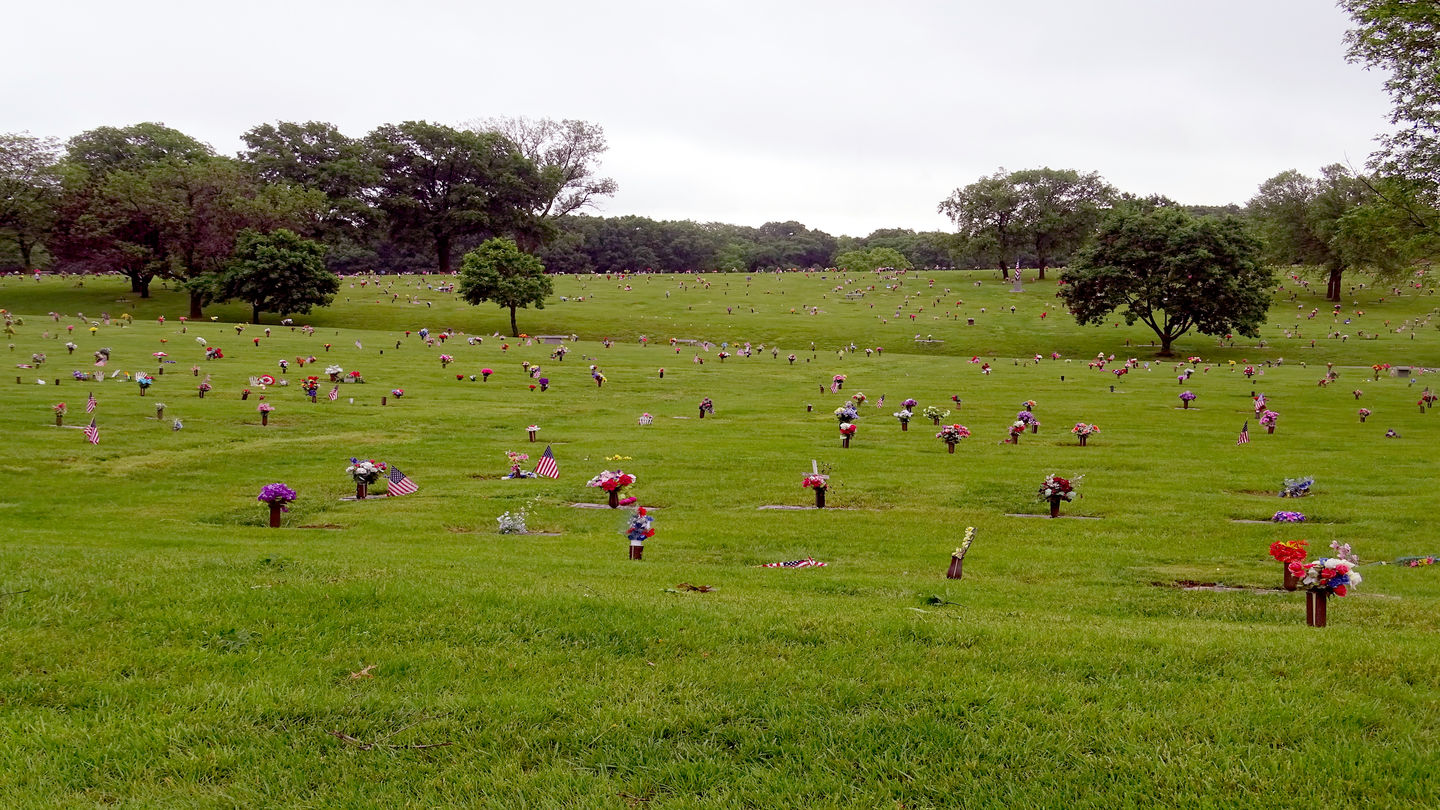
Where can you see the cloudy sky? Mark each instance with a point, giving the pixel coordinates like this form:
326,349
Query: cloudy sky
846,116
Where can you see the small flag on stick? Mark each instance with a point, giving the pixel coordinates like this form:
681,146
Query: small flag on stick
90,404
1244,434
808,562
92,432
334,393
546,466
400,484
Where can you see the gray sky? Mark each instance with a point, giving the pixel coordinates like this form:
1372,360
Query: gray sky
846,116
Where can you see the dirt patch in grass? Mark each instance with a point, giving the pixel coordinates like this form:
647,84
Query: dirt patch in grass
323,526
1195,585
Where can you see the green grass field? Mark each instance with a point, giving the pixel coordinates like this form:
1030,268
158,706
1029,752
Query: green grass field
161,647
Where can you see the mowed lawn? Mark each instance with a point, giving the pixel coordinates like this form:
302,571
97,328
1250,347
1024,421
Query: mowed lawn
161,647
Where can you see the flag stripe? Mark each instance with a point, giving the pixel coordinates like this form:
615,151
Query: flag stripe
90,404
546,466
92,432
334,393
808,562
1244,434
399,483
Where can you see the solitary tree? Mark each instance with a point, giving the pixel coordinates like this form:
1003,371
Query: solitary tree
499,271
1059,209
277,272
29,190
1172,271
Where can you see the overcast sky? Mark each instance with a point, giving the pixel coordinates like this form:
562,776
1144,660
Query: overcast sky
846,116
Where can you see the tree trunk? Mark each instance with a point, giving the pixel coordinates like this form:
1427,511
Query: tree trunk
25,246
1165,341
254,314
442,252
196,301
1332,288
514,330
1041,277
141,284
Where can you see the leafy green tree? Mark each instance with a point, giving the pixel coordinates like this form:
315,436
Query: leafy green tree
1058,210
1402,39
567,154
867,260
1173,272
500,272
439,185
278,272
987,216
29,191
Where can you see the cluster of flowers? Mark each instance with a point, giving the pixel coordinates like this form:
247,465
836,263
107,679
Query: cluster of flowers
1330,574
846,413
848,429
932,413
638,529
1082,429
1416,562
365,472
815,481
1026,418
1289,551
707,406
1297,487
952,434
610,481
516,459
904,415
277,494
1288,517
1057,487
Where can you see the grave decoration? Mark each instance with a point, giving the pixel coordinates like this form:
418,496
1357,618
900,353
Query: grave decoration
1297,487
516,459
637,531
847,432
613,482
1057,489
904,416
364,474
1186,397
1286,552
951,435
277,497
1325,576
957,557
934,414
1083,431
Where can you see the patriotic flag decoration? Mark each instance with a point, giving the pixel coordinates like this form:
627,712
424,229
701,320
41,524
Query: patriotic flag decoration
1244,434
399,483
547,466
334,393
92,432
808,562
90,404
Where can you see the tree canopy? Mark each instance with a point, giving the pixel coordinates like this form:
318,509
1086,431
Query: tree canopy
1172,271
278,272
29,191
498,271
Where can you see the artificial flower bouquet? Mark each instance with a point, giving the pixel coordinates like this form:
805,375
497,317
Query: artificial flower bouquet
277,495
611,481
904,416
934,414
815,482
846,413
952,434
1297,487
1289,551
1082,429
1287,517
365,472
1059,488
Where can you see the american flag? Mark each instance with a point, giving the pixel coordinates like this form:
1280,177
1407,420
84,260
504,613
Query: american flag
808,562
334,393
399,483
90,404
546,466
1244,434
92,432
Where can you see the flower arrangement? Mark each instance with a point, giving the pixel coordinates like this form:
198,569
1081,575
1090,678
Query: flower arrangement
1268,419
1056,487
1416,562
846,413
265,407
516,459
847,429
159,355
1327,575
397,392
1287,517
1249,372
544,383
706,406
611,481
446,360
1364,412
839,378
310,385
1028,405
1026,418
1297,487
952,434
334,371
277,495
638,530
1391,434
212,353
904,416
909,404
1187,397
858,398
203,387
485,374
144,380
365,472
1081,429
1016,428
514,523
1289,551
60,409
356,377
934,414
815,481
646,419
1357,392
722,356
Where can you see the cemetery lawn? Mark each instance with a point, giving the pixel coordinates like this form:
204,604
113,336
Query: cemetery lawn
161,647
